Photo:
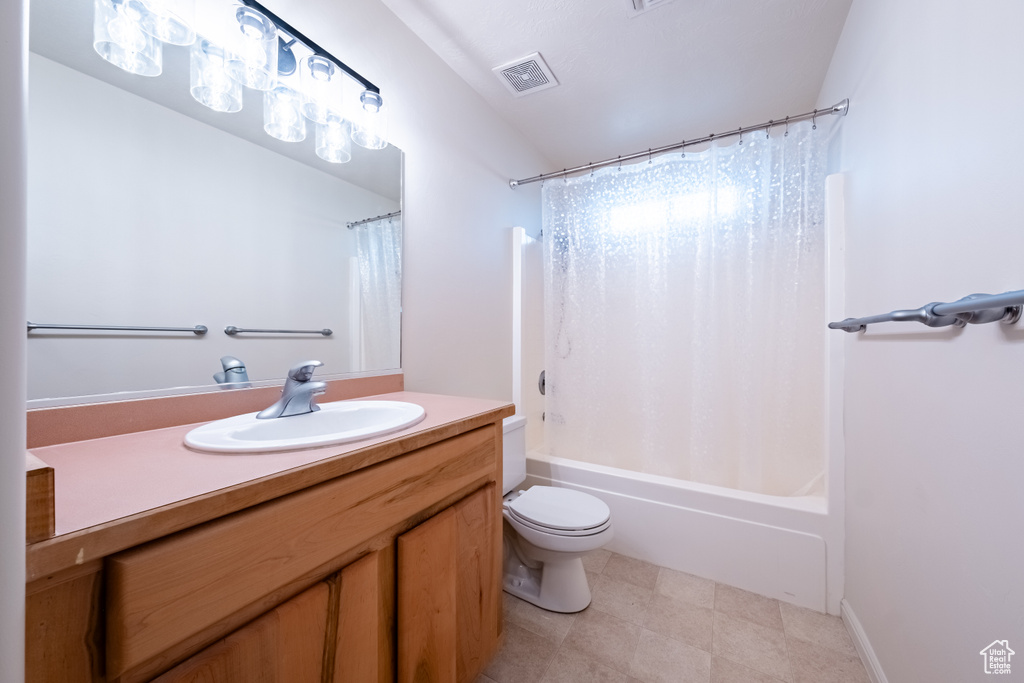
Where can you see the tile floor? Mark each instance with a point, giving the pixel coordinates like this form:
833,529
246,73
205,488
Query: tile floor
649,624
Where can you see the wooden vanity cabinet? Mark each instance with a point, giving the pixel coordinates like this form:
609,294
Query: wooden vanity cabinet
284,645
391,572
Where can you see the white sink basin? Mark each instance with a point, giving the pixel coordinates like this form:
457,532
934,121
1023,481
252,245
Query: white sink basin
334,423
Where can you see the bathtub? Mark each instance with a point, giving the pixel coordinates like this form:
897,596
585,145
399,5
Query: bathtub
770,545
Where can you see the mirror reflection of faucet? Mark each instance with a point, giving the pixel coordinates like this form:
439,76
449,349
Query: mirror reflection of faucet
299,393
234,374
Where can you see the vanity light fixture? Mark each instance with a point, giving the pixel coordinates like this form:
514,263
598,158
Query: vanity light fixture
240,42
253,50
210,78
170,21
322,89
333,142
119,38
282,114
370,127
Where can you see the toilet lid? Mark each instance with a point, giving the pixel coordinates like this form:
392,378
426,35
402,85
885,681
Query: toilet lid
558,508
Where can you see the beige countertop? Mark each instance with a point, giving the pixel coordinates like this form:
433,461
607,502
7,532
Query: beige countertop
118,491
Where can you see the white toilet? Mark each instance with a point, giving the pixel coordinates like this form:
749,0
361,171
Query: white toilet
548,530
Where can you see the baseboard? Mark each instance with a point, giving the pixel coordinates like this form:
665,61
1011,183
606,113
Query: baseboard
860,640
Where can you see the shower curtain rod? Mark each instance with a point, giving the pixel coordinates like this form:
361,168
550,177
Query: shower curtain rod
375,218
838,109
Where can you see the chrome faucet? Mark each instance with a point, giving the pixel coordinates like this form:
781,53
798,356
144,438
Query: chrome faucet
234,374
298,395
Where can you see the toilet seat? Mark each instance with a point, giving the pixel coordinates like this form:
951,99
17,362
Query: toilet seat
559,532
559,511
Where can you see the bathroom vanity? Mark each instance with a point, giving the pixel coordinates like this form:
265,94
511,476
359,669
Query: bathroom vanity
378,560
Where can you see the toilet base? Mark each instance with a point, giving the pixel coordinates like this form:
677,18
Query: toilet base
557,584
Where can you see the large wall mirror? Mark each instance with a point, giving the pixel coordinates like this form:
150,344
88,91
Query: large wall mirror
148,209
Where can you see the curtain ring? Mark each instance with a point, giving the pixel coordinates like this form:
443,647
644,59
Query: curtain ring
768,130
650,157
620,164
591,165
814,120
787,128
682,145
565,176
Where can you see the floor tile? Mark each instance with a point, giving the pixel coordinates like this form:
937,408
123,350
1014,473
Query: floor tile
607,639
757,647
572,666
650,624
620,598
522,659
662,660
638,572
552,625
746,605
815,664
680,620
814,627
596,560
726,671
686,587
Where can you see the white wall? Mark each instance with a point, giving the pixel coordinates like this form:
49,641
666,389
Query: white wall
140,215
935,509
457,321
13,83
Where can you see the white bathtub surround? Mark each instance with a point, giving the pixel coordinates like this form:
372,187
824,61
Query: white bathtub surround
770,545
787,547
686,311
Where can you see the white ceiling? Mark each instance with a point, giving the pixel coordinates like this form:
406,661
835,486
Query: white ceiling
681,70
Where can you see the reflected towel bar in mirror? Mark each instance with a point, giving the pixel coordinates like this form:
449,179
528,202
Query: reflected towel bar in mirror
232,330
974,308
198,330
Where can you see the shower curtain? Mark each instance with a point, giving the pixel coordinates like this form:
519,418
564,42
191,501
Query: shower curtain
380,283
685,314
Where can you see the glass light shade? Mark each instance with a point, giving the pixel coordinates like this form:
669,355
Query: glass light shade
209,80
322,89
370,124
333,143
118,37
170,21
282,114
253,49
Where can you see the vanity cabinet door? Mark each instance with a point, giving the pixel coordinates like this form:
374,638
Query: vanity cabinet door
449,600
364,645
286,645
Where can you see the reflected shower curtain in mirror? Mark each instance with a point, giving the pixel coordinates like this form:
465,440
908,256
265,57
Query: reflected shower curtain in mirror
685,314
380,283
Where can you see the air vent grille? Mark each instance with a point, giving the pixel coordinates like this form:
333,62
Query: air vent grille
527,75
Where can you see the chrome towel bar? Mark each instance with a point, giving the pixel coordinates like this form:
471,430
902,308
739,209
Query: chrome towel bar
232,330
975,309
198,330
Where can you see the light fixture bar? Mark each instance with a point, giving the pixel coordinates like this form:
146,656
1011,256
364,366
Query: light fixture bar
287,28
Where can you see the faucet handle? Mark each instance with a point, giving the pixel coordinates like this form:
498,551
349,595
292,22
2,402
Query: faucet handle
303,372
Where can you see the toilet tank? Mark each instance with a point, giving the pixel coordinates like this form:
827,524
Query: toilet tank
513,453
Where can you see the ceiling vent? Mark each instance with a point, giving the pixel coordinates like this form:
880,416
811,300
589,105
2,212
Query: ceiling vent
527,75
638,7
